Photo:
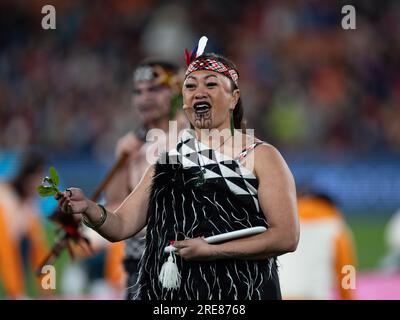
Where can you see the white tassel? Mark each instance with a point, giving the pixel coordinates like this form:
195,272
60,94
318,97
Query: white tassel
201,46
169,275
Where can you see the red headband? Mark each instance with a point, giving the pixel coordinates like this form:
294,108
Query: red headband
213,65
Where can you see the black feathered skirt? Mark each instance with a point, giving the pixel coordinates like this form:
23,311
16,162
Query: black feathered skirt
179,209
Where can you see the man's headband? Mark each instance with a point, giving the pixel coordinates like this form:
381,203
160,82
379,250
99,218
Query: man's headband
195,62
157,75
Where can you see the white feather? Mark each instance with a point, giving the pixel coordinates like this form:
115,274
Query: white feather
201,46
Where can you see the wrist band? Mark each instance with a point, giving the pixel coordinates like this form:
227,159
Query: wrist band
100,222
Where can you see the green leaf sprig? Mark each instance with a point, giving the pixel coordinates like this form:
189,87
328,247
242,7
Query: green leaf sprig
49,186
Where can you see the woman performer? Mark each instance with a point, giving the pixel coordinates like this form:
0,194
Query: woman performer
209,184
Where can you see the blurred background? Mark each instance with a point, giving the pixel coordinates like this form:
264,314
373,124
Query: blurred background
327,98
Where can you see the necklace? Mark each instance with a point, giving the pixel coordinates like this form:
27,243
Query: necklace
201,179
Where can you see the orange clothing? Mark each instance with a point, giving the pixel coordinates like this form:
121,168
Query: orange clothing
16,221
10,262
345,255
113,270
325,247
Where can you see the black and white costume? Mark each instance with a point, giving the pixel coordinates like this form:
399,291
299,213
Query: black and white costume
180,207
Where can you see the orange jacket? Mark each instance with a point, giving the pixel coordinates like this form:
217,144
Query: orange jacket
326,241
113,269
11,269
313,208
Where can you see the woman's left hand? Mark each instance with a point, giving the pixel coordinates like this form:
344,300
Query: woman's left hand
195,249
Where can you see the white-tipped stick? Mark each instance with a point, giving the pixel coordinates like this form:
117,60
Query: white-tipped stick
227,236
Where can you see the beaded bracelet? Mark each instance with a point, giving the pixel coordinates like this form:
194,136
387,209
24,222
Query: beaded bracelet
100,222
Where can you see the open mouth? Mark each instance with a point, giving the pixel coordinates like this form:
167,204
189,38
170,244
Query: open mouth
202,107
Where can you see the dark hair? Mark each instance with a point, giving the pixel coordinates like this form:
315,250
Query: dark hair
238,121
32,161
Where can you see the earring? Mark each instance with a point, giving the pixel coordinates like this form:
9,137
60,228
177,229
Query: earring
232,124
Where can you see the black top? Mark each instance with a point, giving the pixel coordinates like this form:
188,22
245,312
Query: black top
196,192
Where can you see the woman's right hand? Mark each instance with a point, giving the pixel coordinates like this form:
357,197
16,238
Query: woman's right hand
72,201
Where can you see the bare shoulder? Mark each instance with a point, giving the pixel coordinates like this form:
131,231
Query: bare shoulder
259,155
129,143
126,136
269,163
268,152
263,151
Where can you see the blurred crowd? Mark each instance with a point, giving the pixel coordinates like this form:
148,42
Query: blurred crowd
307,84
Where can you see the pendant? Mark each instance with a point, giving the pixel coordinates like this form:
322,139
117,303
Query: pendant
200,180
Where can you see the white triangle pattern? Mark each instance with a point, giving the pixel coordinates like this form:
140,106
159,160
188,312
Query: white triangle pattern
235,188
256,203
206,160
250,187
195,159
221,157
201,146
226,172
246,173
210,174
186,149
187,163
173,152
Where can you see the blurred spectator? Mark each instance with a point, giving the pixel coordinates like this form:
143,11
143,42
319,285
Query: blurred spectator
23,241
315,270
391,262
329,88
309,86
157,98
